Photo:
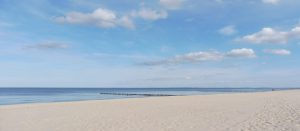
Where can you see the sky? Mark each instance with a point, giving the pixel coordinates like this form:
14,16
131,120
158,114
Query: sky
153,43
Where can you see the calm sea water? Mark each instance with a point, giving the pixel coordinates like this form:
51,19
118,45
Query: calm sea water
10,96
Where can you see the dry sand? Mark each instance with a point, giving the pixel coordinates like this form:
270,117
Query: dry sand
268,111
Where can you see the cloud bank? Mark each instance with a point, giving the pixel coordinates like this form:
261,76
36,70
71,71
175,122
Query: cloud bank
228,30
274,2
100,17
278,51
106,18
195,57
272,36
47,46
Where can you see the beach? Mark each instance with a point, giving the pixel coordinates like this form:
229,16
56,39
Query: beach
260,111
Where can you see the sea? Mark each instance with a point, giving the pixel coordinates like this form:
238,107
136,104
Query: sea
11,96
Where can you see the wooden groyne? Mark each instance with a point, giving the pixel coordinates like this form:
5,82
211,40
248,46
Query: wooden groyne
134,94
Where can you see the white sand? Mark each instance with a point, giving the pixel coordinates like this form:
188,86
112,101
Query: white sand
270,111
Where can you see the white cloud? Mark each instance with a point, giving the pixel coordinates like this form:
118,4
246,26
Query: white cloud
100,17
47,45
278,51
150,14
228,30
105,18
127,22
171,4
244,53
272,36
271,1
195,57
199,56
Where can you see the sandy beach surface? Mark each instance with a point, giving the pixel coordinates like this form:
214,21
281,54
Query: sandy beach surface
264,111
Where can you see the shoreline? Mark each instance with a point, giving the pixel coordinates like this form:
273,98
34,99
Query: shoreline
272,110
148,95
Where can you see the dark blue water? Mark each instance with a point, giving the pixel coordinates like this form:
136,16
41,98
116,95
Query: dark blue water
10,96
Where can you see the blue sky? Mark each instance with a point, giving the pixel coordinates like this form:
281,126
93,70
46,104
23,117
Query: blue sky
158,43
